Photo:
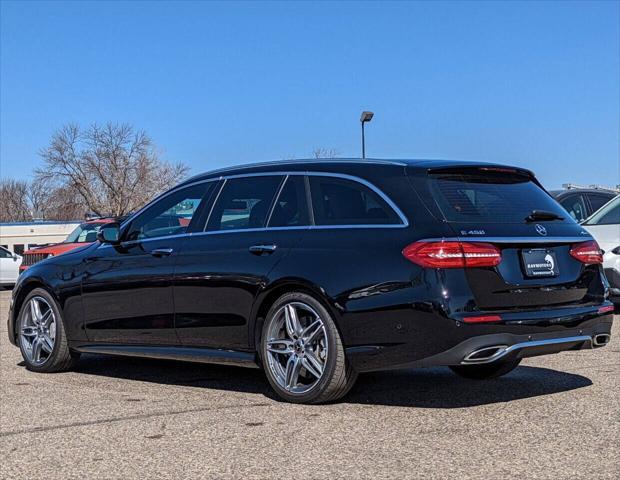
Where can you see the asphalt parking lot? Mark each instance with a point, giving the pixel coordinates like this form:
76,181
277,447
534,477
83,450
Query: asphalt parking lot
554,417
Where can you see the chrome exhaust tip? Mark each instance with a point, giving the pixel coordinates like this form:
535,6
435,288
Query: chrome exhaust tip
485,355
601,339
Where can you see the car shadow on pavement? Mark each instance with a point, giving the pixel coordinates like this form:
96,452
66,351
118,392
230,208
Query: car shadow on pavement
421,388
440,388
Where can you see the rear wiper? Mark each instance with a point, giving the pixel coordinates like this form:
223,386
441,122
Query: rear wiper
542,215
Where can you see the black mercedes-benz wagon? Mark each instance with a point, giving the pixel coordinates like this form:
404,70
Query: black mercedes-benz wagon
319,270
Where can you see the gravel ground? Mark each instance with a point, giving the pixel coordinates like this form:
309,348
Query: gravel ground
554,417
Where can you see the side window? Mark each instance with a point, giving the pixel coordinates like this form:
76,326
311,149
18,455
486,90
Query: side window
597,201
575,206
291,207
244,203
338,201
5,253
611,216
172,215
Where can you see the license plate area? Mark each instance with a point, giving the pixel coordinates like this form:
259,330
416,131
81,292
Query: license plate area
539,262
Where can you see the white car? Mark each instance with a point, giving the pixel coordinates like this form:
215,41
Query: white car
9,267
604,226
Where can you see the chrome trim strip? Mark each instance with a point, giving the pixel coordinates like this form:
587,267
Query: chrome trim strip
505,350
344,176
301,227
532,239
272,207
388,200
217,197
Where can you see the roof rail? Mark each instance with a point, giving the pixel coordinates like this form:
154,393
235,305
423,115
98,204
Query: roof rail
571,186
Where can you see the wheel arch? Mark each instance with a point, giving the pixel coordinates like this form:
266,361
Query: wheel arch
25,289
269,295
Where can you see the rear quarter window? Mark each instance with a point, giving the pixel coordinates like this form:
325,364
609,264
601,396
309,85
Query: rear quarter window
489,197
338,201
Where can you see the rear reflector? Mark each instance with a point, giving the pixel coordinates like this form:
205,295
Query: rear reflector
453,254
587,252
483,319
607,309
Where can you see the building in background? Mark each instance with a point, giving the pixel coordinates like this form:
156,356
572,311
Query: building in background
21,236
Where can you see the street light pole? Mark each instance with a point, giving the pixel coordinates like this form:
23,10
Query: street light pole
363,142
366,117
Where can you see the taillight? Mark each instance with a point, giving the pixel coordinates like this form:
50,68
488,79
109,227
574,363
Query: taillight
453,254
606,309
587,252
483,319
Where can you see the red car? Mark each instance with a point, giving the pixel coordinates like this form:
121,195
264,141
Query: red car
83,234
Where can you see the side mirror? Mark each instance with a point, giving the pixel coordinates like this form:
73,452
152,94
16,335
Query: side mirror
15,257
109,233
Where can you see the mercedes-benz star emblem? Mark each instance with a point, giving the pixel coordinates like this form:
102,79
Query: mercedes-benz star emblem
540,230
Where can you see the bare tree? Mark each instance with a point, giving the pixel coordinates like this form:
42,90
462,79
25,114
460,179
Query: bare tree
14,201
320,152
113,169
55,202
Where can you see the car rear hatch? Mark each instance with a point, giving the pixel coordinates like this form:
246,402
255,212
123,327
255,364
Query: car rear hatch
545,258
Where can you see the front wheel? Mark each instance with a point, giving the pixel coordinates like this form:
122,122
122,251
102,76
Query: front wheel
487,370
41,334
302,351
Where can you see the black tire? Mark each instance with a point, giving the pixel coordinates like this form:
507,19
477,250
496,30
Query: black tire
338,376
61,357
487,370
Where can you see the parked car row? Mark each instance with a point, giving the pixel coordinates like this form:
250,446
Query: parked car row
83,234
580,203
319,270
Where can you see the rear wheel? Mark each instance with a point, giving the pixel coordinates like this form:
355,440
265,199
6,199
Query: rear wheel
41,334
487,370
302,352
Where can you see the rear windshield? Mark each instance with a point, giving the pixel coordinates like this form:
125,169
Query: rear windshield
490,197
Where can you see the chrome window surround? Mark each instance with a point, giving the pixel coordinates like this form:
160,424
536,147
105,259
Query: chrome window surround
388,200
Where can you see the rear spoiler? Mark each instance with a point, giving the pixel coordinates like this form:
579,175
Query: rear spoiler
501,169
469,169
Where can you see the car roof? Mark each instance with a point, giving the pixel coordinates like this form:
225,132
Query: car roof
347,163
566,191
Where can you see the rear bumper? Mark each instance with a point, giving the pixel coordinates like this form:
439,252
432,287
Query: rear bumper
501,347
521,335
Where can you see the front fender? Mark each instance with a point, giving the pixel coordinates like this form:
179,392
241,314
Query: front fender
64,288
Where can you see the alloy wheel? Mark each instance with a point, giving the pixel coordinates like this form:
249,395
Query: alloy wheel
296,347
37,330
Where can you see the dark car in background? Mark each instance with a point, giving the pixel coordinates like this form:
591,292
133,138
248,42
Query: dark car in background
319,270
580,203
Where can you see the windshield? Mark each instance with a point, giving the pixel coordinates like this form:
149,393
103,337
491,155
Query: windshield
493,197
84,233
609,214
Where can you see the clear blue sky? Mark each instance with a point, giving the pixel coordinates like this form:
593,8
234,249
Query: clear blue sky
532,84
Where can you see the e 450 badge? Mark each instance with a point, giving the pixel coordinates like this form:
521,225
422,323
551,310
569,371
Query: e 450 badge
473,232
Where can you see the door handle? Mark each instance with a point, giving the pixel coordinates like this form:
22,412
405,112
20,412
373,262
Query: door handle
161,252
263,249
